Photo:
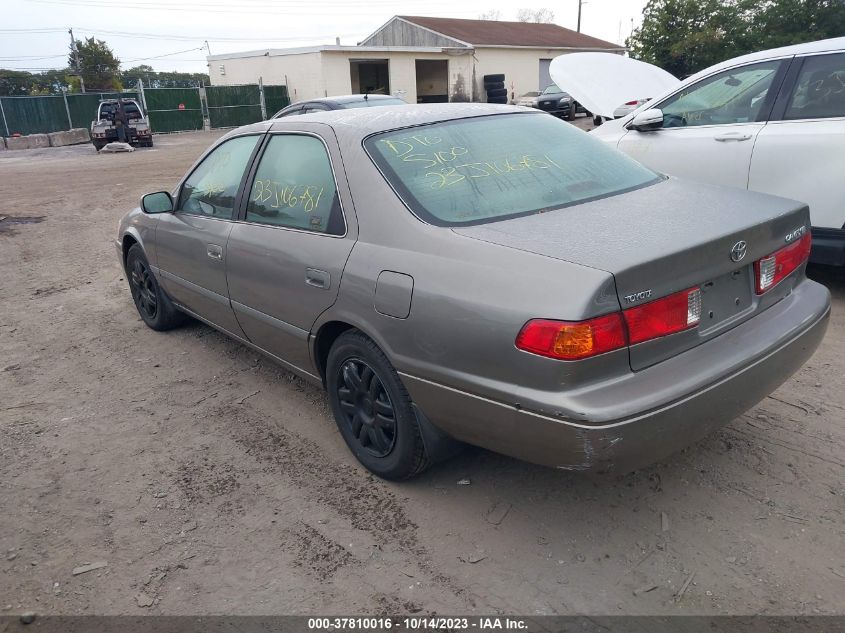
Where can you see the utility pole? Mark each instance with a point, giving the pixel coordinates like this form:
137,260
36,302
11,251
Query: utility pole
75,52
580,2
207,47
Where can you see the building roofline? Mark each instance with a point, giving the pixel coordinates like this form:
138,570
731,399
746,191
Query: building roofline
419,26
330,48
580,49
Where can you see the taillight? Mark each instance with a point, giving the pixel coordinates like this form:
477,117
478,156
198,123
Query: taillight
771,270
675,313
575,340
631,102
567,340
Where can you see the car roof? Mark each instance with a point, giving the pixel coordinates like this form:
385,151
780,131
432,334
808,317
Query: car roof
348,99
356,123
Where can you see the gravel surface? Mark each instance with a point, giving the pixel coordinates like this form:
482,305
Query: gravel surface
184,474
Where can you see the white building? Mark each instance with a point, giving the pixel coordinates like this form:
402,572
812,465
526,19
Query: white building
417,58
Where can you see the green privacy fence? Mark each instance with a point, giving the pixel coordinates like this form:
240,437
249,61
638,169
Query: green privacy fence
41,115
169,109
276,98
231,106
33,115
173,109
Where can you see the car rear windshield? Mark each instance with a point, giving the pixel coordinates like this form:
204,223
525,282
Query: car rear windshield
483,169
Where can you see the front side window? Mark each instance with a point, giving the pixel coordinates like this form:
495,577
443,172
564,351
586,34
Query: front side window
820,89
477,170
212,187
294,187
732,96
551,90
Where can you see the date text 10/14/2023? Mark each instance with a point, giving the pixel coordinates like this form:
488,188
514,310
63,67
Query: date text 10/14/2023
417,623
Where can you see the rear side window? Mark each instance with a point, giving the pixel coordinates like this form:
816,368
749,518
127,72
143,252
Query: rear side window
471,171
732,96
294,187
212,187
820,89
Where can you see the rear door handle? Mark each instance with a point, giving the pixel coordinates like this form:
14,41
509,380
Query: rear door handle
318,278
214,251
732,136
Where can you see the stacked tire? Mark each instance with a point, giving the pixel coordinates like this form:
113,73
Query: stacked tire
494,86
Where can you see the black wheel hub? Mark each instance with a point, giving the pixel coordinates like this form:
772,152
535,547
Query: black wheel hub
143,289
366,407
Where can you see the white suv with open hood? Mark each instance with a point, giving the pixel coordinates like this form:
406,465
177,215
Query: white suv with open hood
772,121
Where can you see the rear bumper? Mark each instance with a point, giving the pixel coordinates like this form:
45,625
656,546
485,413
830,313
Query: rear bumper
734,372
828,247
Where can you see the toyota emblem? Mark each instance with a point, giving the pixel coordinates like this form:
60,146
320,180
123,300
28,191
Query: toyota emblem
738,250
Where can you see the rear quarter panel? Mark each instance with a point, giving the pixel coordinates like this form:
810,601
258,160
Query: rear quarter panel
470,298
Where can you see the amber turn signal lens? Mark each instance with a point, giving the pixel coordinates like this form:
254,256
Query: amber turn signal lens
567,340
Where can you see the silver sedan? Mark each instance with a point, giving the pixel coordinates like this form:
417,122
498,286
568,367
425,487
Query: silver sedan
482,274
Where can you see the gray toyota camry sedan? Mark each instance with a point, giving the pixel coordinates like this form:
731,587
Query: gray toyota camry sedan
483,274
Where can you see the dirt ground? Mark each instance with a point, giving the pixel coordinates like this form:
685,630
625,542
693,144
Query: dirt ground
212,482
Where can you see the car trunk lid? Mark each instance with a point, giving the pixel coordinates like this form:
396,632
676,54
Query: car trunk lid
663,239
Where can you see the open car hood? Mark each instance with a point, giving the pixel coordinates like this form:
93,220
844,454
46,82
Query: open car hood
601,82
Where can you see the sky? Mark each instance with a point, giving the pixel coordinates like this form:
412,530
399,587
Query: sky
170,35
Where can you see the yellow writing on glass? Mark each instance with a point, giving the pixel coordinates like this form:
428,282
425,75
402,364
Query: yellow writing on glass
452,175
307,197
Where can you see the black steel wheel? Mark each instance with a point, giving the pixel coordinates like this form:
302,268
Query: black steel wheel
372,408
142,285
366,407
153,304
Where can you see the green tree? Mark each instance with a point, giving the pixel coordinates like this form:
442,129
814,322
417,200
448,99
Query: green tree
97,64
14,83
685,36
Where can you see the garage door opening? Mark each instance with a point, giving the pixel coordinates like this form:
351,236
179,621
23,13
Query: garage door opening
370,76
545,76
432,80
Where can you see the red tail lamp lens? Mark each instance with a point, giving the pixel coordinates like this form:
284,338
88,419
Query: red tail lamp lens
567,340
675,313
772,269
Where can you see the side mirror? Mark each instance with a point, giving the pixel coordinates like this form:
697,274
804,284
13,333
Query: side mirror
159,202
648,120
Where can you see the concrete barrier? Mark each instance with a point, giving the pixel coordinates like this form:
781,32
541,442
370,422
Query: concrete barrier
38,140
69,137
18,142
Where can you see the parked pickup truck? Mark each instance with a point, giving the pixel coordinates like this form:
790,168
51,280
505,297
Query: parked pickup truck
103,130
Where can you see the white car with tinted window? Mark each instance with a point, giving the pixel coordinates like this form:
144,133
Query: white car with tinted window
772,121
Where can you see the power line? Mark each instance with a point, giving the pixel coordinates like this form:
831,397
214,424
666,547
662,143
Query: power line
30,58
140,59
181,37
305,9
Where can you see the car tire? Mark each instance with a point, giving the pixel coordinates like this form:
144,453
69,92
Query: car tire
494,78
99,146
498,92
597,120
571,115
493,85
373,410
153,304
497,99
